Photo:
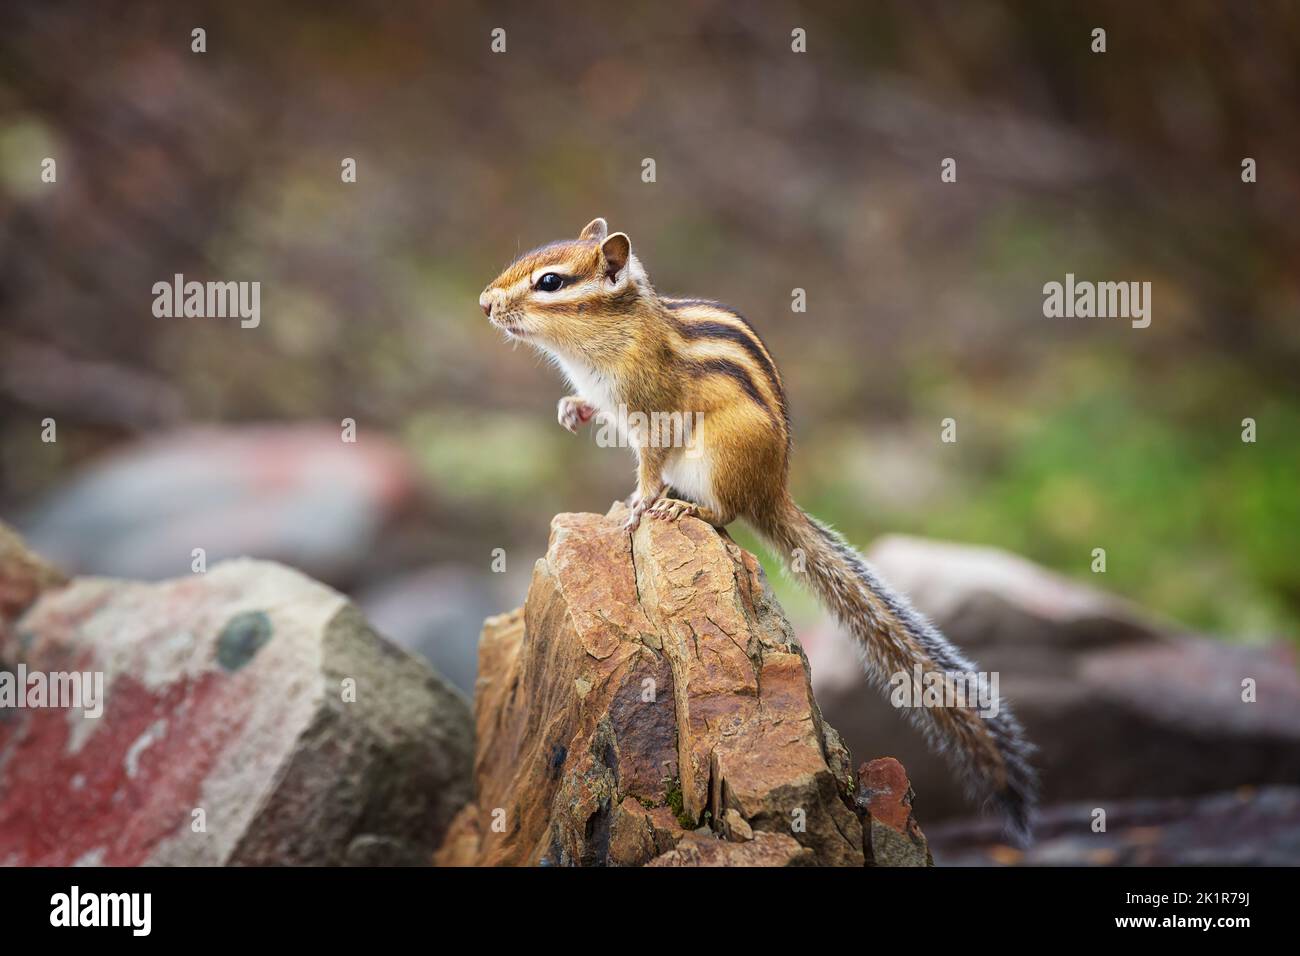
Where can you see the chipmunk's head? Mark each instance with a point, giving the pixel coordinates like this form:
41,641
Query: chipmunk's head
575,297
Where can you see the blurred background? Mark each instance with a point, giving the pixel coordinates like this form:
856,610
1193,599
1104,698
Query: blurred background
775,171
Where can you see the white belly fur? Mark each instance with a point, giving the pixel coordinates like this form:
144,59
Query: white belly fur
598,392
594,389
692,477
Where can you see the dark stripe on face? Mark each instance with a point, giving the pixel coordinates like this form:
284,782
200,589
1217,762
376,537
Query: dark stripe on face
568,257
624,300
562,308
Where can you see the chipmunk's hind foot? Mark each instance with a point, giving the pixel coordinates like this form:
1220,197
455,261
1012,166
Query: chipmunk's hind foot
670,509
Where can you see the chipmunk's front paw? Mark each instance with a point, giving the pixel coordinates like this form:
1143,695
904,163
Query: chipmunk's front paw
573,413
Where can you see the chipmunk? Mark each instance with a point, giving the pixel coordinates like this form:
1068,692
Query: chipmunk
588,305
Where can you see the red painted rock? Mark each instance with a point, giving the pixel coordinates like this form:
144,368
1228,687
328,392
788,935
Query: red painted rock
250,717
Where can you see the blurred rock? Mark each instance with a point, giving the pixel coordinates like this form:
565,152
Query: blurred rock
892,835
252,694
1246,827
651,687
435,612
1120,706
291,493
996,597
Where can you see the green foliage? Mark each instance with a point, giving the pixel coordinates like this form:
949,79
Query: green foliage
675,803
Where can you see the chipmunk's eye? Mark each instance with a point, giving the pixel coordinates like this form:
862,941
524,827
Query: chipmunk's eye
551,282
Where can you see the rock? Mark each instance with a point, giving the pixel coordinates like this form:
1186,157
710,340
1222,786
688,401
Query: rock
291,493
460,846
735,828
766,849
228,733
23,576
649,687
1249,826
892,835
1121,706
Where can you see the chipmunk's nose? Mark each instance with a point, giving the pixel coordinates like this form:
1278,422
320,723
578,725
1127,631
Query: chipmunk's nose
485,300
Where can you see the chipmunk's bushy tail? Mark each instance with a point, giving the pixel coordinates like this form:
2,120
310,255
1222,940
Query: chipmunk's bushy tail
990,754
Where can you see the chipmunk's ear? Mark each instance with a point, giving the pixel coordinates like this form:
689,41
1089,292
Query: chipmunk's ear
596,230
615,251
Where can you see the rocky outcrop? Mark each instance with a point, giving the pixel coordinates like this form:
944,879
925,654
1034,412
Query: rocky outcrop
1122,706
650,704
248,716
